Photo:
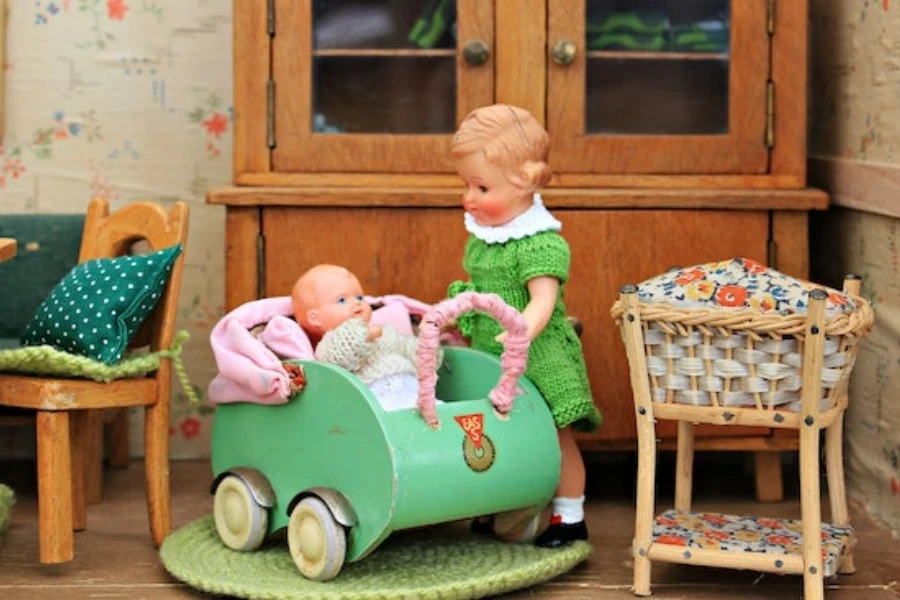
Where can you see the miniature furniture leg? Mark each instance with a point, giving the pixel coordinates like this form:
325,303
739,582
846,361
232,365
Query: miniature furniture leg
92,447
684,465
769,484
118,439
79,427
834,460
56,537
115,428
810,495
837,490
156,458
646,477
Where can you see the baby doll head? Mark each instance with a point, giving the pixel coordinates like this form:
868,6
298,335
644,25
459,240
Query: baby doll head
326,296
500,152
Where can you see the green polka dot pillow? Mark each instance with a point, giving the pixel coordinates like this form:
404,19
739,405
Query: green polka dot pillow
734,284
97,308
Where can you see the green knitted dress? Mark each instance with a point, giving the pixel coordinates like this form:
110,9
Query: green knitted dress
555,361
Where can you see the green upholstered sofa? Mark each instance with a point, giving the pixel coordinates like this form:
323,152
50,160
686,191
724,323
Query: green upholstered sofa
48,247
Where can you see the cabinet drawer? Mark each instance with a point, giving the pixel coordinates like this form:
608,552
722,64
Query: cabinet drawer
413,251
418,251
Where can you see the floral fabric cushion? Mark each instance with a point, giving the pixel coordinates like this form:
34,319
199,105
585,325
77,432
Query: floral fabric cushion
738,283
713,531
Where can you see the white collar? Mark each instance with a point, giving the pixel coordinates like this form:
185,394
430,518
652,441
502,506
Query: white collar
534,220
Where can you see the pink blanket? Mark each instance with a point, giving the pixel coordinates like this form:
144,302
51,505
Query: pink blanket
250,368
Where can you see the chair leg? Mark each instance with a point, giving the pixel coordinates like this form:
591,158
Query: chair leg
79,427
643,520
117,435
811,511
837,491
156,464
93,457
684,465
56,539
632,336
810,494
769,485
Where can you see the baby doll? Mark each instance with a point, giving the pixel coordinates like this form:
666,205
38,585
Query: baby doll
515,250
328,303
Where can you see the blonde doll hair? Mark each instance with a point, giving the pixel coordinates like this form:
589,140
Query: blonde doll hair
511,138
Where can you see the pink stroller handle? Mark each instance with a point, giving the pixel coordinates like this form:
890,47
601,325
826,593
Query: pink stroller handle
513,360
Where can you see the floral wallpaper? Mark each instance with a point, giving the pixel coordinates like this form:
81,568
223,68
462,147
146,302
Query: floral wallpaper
855,121
855,67
126,99
131,99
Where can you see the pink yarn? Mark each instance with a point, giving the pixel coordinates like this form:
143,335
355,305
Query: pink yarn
513,360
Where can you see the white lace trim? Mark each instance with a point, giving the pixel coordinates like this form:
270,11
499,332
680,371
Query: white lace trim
534,220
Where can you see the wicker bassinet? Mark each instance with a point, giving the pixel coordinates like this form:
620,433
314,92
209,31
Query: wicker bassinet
744,358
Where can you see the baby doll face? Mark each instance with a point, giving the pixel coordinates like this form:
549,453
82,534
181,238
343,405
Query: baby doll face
332,297
490,197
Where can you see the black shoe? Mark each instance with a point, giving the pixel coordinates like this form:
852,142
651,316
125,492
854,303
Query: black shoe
561,534
482,525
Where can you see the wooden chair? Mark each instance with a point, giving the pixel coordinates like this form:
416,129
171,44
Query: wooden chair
48,248
661,337
68,409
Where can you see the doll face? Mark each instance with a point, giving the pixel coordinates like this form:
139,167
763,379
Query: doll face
337,296
489,196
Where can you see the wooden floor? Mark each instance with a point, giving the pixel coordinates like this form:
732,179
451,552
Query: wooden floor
115,559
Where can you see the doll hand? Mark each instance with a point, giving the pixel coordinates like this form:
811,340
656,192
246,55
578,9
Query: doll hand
297,377
502,337
374,333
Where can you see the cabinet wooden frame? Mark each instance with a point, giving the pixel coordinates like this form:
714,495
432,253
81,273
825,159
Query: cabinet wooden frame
519,65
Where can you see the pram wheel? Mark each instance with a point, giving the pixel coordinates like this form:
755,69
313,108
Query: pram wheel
317,541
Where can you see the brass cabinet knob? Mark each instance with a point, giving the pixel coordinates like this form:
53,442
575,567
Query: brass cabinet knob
476,53
563,53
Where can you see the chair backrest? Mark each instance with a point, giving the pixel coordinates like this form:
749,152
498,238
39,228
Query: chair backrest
48,247
116,234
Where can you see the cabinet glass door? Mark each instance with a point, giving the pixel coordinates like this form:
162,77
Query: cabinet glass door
377,85
658,86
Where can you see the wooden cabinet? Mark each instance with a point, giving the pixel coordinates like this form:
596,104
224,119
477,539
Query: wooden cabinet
678,136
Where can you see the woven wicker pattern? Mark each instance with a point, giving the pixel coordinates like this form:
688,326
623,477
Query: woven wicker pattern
744,358
445,562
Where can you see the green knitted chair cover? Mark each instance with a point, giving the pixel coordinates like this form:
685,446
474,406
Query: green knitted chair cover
443,561
47,360
7,499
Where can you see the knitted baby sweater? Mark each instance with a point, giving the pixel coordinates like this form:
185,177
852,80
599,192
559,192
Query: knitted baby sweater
389,354
502,264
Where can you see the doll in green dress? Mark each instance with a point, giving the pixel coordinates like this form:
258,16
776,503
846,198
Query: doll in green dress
515,250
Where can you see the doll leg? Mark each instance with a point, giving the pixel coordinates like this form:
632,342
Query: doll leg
567,520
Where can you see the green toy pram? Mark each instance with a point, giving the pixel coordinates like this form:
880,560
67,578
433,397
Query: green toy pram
341,473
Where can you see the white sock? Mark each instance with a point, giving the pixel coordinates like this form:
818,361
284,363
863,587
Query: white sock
570,510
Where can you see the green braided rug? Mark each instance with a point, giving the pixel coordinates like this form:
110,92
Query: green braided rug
7,499
444,561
